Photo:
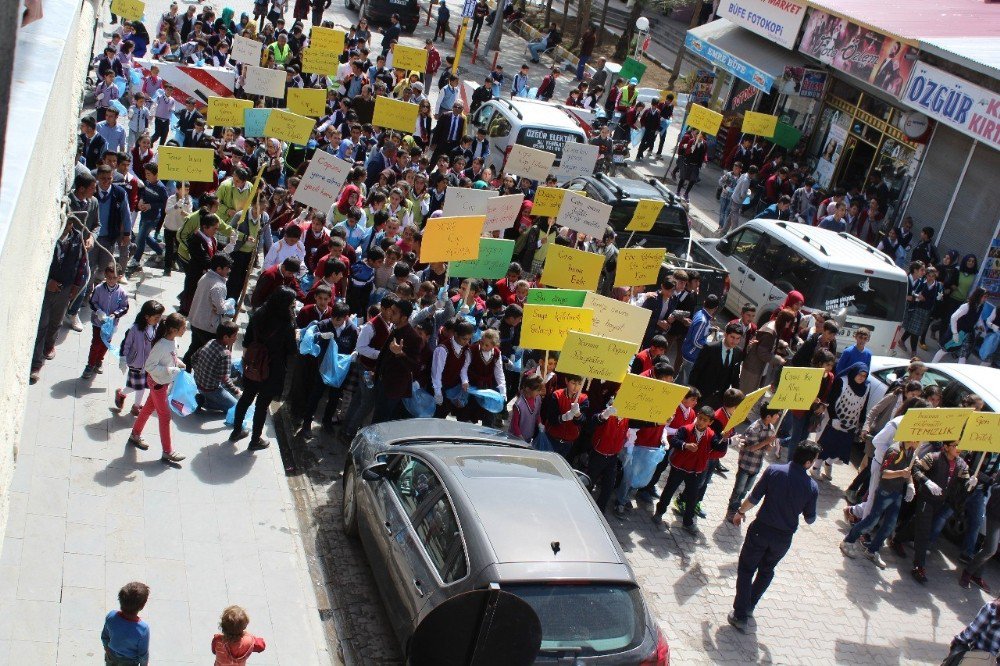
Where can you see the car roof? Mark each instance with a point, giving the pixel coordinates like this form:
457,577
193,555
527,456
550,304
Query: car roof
542,114
831,249
984,381
628,189
406,431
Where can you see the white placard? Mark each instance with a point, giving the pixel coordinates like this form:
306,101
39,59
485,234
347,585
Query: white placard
776,21
529,162
322,181
246,50
501,212
578,159
263,81
462,201
584,215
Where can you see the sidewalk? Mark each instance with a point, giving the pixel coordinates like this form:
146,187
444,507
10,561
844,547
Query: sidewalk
89,514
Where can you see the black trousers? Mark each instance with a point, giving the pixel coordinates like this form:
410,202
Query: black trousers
317,15
647,141
477,25
316,394
660,468
169,249
762,549
692,484
191,278
602,471
161,130
199,339
238,276
260,395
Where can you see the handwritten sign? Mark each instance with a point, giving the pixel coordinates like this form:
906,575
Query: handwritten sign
194,164
246,50
465,201
547,201
409,58
932,425
529,162
648,399
597,357
307,101
289,126
797,388
572,298
645,214
264,81
578,159
501,212
615,319
742,410
638,266
491,264
254,121
393,114
583,214
318,61
326,39
571,269
322,181
451,238
547,326
761,124
982,433
703,119
130,10
227,111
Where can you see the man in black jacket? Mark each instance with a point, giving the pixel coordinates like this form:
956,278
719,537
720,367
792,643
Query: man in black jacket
91,145
827,339
448,132
482,94
717,367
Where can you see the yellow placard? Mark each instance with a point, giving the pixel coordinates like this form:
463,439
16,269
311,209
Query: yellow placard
546,326
618,320
664,93
567,268
393,114
318,61
638,266
982,433
130,10
409,58
307,101
742,410
194,164
547,201
644,217
797,388
287,126
227,111
703,119
326,39
648,399
597,357
451,238
761,124
932,424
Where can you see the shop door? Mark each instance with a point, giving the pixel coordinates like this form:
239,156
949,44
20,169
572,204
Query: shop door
857,160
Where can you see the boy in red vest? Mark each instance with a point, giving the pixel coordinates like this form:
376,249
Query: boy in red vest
563,414
690,450
648,435
608,439
683,415
730,398
645,359
371,339
450,367
485,372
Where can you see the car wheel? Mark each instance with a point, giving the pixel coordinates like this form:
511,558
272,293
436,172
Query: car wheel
350,505
349,4
410,29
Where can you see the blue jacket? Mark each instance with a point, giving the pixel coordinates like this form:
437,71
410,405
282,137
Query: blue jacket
696,336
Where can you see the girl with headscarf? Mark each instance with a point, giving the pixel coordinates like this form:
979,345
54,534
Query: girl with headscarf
847,407
521,224
794,302
762,351
350,197
273,162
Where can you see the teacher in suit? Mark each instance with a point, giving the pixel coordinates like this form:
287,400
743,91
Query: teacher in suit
448,132
717,367
662,306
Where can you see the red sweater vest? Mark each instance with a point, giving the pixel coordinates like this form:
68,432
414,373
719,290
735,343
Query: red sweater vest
609,437
451,374
481,372
693,461
567,431
378,340
646,359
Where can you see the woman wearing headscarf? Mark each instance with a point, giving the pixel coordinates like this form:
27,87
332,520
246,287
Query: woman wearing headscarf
948,277
847,407
794,302
762,351
273,162
521,224
350,197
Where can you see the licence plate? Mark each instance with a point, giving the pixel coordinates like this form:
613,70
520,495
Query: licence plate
618,159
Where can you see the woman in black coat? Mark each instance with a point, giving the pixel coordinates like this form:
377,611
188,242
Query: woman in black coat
693,156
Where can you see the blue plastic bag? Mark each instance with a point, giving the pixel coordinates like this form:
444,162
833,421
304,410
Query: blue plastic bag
307,281
644,462
237,368
120,108
182,395
135,76
516,361
309,341
951,345
120,85
247,419
989,346
542,441
334,366
107,333
457,395
489,399
420,404
230,307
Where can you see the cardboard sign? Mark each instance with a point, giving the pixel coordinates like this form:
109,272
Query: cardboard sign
318,61
326,39
193,164
567,268
703,119
760,124
982,433
289,126
648,399
933,425
491,264
461,201
615,319
409,58
393,114
307,101
572,298
743,409
451,238
254,121
529,163
645,214
547,326
130,10
547,201
264,81
638,266
322,181
632,68
501,212
246,50
578,159
786,136
797,388
227,111
597,357
583,214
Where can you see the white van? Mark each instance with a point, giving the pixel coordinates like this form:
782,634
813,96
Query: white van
836,272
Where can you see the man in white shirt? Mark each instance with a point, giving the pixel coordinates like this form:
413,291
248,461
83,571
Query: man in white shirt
289,246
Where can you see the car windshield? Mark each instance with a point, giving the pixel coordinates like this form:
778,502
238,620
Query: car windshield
594,618
862,295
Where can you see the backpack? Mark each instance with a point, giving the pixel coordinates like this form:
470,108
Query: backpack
257,361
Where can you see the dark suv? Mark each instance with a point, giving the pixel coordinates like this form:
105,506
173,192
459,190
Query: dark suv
378,12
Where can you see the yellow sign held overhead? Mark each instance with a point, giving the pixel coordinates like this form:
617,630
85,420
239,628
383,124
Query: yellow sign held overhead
326,39
638,266
644,217
982,433
760,124
307,101
932,424
393,114
547,201
618,320
546,326
227,111
648,399
192,164
703,119
596,357
567,268
797,388
743,409
409,58
287,126
130,10
451,238
318,61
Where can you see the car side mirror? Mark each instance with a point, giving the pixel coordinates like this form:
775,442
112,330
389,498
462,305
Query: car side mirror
584,479
375,471
724,246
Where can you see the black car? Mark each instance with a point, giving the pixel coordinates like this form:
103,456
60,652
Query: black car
378,12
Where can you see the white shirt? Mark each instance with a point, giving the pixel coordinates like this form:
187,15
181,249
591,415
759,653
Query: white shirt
883,440
439,359
282,250
364,347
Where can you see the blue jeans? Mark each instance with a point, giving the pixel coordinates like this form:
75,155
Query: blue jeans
536,48
724,204
798,430
886,507
622,492
975,513
581,67
219,400
145,235
741,486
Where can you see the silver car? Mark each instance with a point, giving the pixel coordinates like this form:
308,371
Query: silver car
443,508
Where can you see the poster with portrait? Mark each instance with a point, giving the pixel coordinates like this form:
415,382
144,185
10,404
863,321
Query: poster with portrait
802,82
833,148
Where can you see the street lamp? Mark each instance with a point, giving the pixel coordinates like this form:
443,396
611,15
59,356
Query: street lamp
642,25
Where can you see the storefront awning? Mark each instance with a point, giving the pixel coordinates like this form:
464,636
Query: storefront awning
740,52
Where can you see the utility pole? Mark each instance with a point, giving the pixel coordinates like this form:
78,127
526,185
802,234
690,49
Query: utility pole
496,30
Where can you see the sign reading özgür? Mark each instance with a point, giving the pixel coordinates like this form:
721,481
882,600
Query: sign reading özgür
777,20
955,102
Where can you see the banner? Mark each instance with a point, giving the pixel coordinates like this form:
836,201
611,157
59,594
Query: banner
646,212
982,433
786,136
245,50
547,201
572,298
130,10
501,212
307,101
584,215
797,388
567,268
393,114
738,67
638,266
491,264
955,102
648,399
777,20
759,124
577,159
943,424
227,111
529,162
326,39
409,58
263,81
547,326
460,201
322,181
193,164
288,126
318,61
632,69
596,357
703,119
451,238
617,319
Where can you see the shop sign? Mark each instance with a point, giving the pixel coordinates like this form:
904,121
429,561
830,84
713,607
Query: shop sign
865,54
955,102
701,91
777,20
802,82
741,69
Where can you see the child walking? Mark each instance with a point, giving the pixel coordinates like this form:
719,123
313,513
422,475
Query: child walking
526,413
235,644
125,635
162,367
108,300
135,349
753,445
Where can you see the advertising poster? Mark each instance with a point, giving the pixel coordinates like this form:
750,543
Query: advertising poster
833,148
968,108
989,276
701,90
802,82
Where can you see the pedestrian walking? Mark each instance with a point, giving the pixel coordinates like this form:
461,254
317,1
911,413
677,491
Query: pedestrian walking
235,645
162,367
126,635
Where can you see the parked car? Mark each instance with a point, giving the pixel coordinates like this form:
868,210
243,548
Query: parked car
443,508
956,380
378,12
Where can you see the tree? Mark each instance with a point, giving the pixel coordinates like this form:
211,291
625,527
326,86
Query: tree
676,69
604,18
565,16
621,49
548,15
582,21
